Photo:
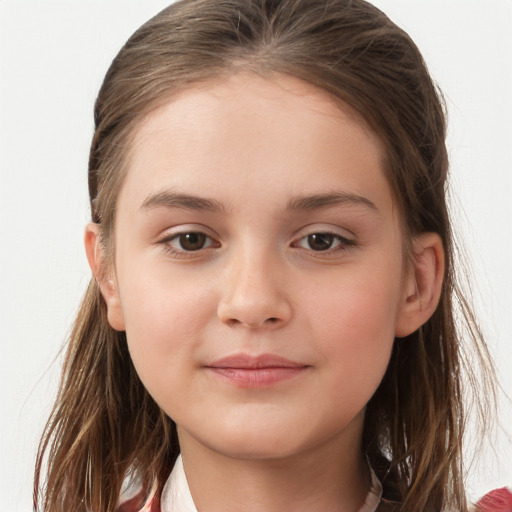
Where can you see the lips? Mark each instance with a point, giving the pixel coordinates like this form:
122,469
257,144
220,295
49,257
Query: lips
263,370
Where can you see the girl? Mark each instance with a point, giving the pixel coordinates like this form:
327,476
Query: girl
271,321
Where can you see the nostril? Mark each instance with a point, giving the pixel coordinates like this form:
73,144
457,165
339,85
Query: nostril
252,324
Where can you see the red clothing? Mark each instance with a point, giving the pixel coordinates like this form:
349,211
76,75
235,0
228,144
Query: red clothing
499,500
137,505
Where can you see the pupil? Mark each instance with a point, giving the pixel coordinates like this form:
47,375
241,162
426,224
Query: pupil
320,241
192,241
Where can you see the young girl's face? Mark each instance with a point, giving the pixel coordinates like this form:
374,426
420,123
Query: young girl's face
259,269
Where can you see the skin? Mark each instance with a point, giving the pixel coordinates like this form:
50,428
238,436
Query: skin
262,284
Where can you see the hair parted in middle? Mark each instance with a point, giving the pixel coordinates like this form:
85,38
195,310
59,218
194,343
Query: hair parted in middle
105,423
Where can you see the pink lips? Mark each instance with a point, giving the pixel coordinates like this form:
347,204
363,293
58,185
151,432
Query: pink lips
256,371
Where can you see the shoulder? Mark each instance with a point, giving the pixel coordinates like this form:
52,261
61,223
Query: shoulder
137,504
499,500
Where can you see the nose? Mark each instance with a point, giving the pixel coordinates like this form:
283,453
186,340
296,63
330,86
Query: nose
254,293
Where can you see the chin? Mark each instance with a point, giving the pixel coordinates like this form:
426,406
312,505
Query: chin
258,449
261,443
260,434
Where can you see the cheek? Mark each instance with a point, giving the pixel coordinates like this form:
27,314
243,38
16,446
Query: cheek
164,319
156,300
357,303
354,324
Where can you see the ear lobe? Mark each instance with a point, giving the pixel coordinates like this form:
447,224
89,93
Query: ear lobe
423,285
106,280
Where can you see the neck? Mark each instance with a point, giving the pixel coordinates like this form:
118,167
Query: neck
333,476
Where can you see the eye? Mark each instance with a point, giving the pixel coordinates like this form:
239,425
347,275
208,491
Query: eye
324,242
190,241
320,241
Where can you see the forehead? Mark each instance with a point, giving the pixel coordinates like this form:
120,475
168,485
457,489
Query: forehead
254,133
245,98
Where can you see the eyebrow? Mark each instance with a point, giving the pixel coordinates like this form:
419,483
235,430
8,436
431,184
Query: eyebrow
171,199
177,200
319,201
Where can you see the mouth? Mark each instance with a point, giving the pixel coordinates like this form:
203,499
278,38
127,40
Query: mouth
248,371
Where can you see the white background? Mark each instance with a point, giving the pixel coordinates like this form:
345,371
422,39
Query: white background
53,56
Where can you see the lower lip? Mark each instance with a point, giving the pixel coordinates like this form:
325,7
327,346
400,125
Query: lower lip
257,377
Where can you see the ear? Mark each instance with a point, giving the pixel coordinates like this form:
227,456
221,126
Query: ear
105,279
423,284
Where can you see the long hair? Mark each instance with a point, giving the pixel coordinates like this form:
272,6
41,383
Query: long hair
104,422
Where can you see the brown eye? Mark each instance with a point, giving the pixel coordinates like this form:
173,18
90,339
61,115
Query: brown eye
189,244
192,241
325,242
320,241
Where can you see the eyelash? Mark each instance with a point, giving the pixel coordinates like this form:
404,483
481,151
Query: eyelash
183,253
343,244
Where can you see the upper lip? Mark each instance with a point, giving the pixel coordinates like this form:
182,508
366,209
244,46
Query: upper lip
247,361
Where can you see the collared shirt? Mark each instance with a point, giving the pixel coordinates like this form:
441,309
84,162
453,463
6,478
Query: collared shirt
176,495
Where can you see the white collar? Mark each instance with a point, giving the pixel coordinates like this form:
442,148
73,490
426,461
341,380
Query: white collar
176,495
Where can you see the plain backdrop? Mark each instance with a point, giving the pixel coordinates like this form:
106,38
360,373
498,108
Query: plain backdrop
53,56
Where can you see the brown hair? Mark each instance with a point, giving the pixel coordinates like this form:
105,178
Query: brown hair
104,422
